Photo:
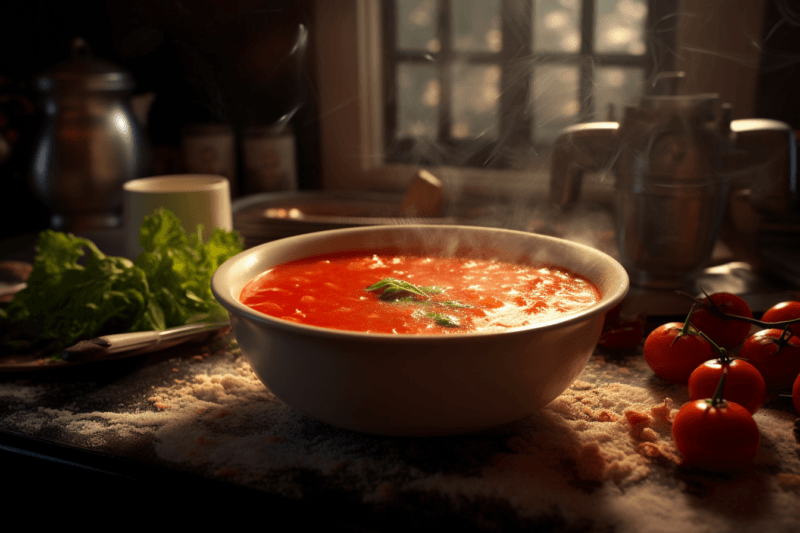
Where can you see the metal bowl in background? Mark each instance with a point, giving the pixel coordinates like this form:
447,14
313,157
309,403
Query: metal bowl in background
266,217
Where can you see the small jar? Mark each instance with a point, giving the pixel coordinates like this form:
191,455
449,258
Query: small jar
269,159
210,149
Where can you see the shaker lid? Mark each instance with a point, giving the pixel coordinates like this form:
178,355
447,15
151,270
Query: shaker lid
84,72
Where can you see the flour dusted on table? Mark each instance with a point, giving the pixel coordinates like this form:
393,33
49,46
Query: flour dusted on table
21,391
599,457
606,432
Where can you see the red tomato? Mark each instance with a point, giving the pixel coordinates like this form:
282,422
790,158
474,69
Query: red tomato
782,312
622,331
721,438
725,333
796,394
626,336
744,384
673,356
612,317
778,368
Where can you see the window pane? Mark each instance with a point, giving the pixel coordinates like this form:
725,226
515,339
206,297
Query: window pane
416,25
418,100
556,26
476,26
476,93
554,100
620,26
617,86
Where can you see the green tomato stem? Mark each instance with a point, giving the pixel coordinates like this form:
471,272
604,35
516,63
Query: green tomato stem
687,323
717,399
714,309
783,340
724,358
687,329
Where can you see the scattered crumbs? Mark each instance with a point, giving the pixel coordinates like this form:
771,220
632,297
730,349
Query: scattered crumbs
581,385
174,369
602,437
197,358
21,391
648,449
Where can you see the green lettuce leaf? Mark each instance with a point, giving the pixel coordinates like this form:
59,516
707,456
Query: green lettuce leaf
76,292
179,267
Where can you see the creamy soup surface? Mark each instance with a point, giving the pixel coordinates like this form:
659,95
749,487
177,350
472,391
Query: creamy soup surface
413,294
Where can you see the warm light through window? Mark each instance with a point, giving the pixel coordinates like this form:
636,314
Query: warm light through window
451,80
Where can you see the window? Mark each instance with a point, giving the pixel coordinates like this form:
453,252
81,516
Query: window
713,42
490,83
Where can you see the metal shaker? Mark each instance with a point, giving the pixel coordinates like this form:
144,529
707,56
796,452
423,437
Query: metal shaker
90,142
673,158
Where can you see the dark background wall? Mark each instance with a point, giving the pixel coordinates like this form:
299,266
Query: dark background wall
205,60
229,61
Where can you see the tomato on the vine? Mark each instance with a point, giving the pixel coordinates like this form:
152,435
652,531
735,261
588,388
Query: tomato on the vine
674,350
622,331
782,312
796,394
623,337
778,365
719,437
744,385
726,333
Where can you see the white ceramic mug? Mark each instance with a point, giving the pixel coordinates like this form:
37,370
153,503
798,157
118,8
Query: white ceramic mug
194,198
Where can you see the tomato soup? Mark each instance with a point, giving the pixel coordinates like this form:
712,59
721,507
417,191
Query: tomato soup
413,294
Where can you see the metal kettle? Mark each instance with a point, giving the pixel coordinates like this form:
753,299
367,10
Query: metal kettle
675,161
90,142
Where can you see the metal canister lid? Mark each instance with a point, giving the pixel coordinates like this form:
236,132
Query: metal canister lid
83,72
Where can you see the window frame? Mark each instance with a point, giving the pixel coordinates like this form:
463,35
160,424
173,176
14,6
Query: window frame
348,58
516,131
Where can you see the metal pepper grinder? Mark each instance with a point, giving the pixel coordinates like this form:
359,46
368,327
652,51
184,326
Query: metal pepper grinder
674,158
90,142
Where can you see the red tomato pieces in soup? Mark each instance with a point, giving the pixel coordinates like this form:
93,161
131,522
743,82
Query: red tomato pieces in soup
472,294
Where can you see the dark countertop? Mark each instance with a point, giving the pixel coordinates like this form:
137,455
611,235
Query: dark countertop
191,431
193,428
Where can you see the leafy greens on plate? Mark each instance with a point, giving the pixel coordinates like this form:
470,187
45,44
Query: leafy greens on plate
76,292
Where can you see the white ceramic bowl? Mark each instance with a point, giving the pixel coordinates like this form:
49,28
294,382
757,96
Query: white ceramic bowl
427,384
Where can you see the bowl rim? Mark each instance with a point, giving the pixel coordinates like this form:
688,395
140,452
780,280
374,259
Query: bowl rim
234,306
